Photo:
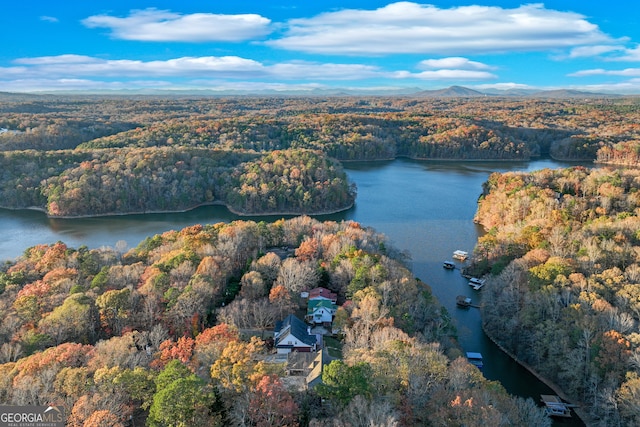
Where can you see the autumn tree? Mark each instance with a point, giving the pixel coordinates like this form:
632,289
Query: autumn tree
247,314
308,250
72,321
614,353
237,368
252,286
210,343
628,398
271,405
268,266
297,276
72,383
281,298
103,418
181,350
114,307
361,412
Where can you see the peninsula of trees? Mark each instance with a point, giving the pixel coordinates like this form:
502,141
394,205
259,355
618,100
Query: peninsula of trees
168,333
77,156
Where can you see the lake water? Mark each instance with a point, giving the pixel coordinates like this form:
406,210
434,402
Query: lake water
424,208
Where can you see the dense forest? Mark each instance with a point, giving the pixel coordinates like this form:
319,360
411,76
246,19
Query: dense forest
563,250
75,156
171,333
103,182
175,331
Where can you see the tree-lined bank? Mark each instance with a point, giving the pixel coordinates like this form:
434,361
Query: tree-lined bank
264,155
563,249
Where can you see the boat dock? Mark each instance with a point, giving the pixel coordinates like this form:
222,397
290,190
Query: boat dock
460,255
475,359
465,302
476,283
555,407
449,265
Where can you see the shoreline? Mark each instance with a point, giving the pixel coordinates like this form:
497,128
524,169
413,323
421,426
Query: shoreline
617,164
452,159
433,159
176,211
287,213
553,386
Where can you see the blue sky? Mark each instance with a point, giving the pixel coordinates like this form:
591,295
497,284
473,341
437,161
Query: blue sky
97,46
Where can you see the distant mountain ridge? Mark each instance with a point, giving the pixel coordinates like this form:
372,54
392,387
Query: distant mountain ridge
465,92
568,93
449,92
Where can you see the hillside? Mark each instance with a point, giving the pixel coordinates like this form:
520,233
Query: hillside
450,92
563,252
174,332
568,93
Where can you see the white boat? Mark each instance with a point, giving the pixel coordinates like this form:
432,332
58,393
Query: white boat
460,255
476,283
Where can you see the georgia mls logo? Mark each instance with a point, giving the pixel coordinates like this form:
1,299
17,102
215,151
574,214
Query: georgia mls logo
32,416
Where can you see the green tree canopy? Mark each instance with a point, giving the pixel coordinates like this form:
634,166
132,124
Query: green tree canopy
341,382
182,399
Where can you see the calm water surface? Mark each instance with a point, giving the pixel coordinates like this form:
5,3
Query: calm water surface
424,208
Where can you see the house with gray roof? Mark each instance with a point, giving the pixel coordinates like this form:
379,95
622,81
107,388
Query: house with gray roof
292,334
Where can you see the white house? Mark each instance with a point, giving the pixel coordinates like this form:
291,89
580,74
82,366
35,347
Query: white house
292,334
321,311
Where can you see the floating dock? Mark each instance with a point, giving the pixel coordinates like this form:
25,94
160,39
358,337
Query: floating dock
463,301
460,255
555,407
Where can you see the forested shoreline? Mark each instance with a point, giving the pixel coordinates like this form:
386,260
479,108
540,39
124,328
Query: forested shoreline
107,182
563,252
84,156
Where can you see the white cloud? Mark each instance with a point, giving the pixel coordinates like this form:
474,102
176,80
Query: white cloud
248,86
77,65
630,55
49,18
232,67
160,25
595,50
42,85
631,86
79,68
13,72
407,27
454,62
67,59
627,72
87,85
446,74
503,86
323,71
